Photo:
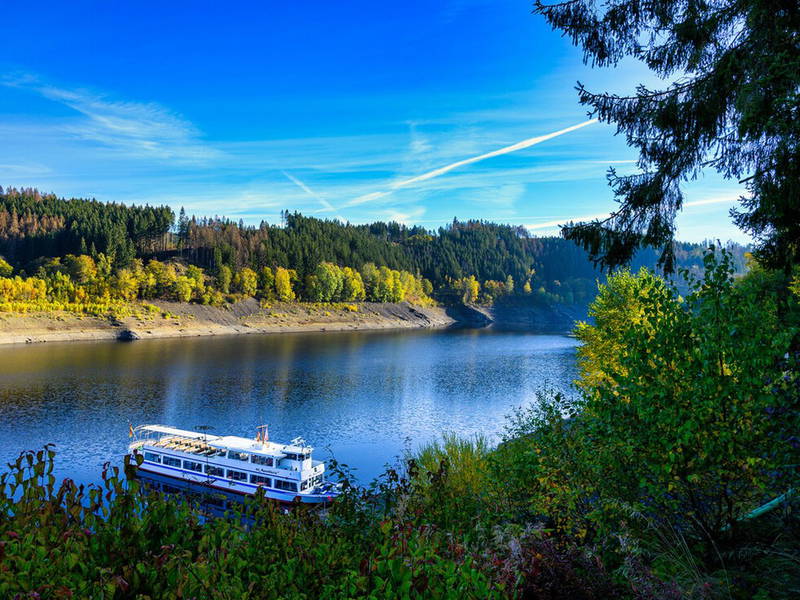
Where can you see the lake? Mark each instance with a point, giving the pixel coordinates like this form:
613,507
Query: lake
365,397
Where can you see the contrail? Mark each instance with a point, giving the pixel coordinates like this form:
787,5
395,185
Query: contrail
327,206
467,161
548,224
559,222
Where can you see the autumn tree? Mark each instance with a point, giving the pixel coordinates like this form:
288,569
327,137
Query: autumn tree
5,269
81,268
125,284
182,288
246,282
620,302
469,287
283,285
352,285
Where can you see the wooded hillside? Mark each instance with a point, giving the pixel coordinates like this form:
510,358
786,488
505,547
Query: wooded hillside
475,260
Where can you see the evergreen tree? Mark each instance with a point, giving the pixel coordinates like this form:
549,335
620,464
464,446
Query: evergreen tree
732,105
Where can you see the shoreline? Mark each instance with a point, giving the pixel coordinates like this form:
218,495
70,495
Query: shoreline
246,317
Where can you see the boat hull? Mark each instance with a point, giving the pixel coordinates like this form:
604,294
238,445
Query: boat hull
240,488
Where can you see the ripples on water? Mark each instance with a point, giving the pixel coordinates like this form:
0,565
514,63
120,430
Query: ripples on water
365,396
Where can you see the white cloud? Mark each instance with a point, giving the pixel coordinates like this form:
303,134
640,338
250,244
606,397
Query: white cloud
23,170
133,128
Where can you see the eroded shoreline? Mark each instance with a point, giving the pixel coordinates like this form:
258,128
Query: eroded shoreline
241,318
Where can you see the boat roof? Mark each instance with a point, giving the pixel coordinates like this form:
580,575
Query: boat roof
195,435
230,442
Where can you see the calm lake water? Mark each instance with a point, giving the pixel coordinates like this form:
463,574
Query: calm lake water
363,396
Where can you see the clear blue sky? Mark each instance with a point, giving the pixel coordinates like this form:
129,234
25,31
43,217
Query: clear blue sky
336,109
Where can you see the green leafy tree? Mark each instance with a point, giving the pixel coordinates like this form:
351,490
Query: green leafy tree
732,105
224,277
266,283
621,301
427,287
683,418
370,275
326,283
182,288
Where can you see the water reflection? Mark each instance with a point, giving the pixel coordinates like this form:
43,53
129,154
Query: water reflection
361,394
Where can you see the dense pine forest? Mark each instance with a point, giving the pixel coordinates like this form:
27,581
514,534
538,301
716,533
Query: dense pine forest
56,247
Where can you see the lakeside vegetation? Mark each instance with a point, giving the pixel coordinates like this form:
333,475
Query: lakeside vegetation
640,484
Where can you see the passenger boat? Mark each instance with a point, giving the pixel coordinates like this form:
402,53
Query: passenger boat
285,472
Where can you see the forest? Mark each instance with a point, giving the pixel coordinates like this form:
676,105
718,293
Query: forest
78,252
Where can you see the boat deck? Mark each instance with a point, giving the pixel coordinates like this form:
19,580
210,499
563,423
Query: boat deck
188,445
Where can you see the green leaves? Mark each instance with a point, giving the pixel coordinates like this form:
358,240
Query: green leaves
676,408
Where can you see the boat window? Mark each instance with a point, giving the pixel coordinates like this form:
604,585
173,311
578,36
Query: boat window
237,475
261,460
299,456
175,462
152,457
216,471
261,480
305,485
289,486
238,455
192,466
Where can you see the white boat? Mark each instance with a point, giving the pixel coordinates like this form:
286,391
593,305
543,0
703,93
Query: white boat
286,472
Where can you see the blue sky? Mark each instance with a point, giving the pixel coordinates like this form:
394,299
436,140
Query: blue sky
349,110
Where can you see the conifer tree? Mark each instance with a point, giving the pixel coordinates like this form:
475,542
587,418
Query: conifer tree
731,104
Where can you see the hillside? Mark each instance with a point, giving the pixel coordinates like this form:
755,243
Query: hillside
85,255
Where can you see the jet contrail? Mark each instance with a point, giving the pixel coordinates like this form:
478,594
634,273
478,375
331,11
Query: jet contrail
327,206
559,222
467,161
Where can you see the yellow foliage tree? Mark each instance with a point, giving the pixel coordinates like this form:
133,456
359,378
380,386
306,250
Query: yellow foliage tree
283,285
246,282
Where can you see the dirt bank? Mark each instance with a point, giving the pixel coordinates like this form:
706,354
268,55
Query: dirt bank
190,320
